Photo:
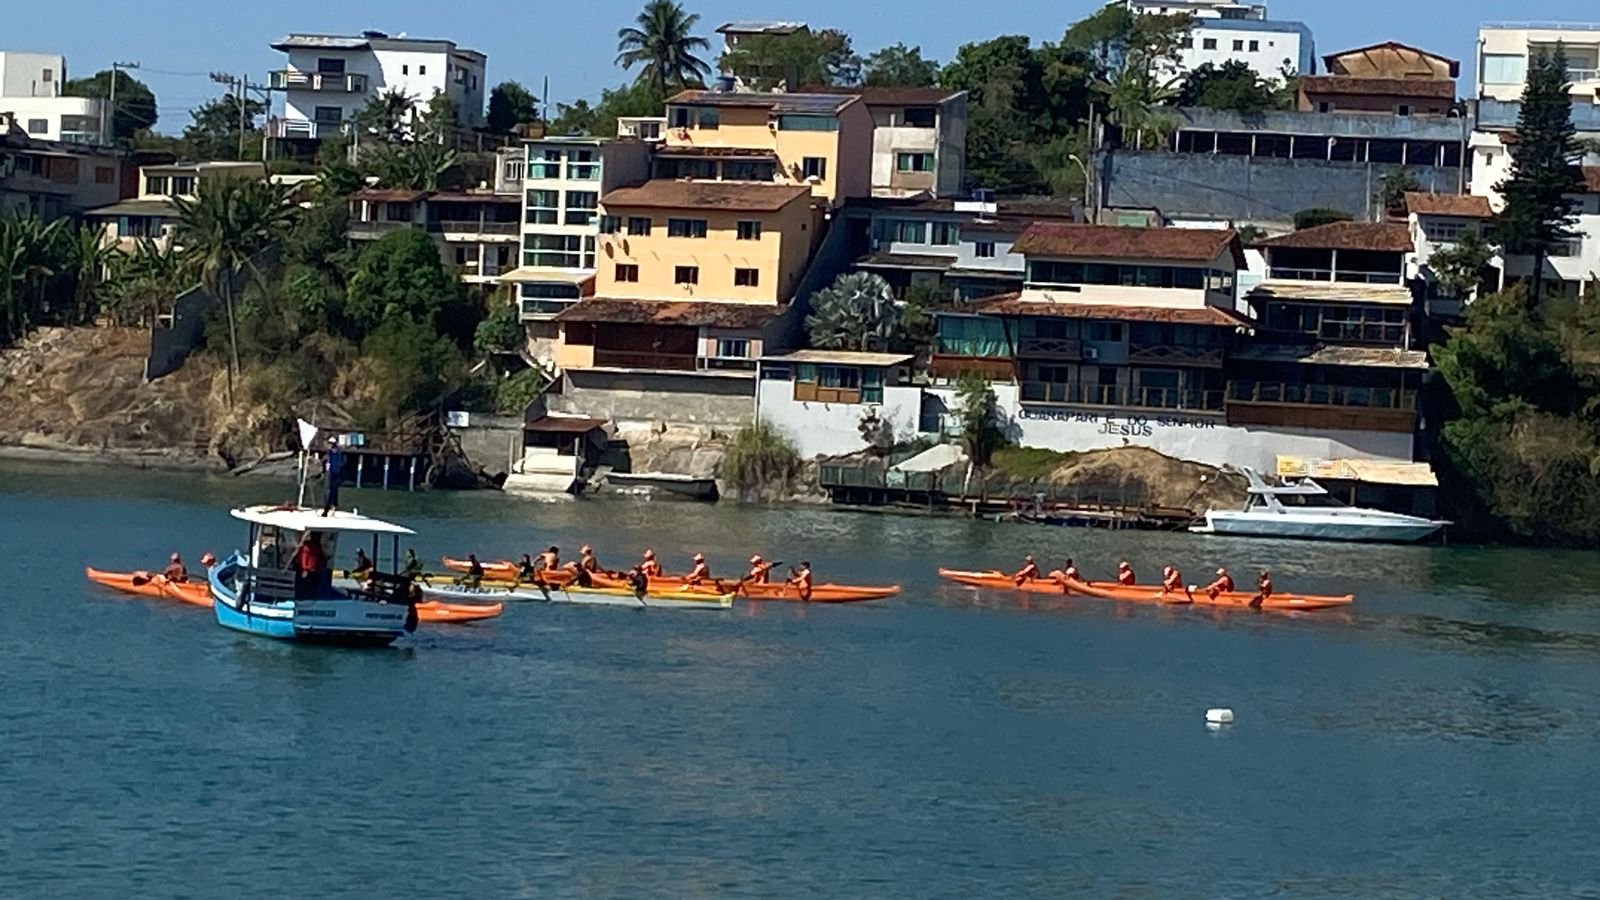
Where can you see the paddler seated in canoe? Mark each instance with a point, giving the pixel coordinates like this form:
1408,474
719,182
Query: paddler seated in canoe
175,571
587,561
1263,589
651,567
549,560
1125,574
474,570
638,581
701,573
759,569
1223,584
1067,574
1172,589
1028,572
801,580
525,568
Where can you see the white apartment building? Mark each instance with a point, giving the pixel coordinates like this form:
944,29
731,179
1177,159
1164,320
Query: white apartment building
1225,31
563,180
30,91
330,78
1504,49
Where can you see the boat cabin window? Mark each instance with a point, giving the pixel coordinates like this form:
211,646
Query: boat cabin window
275,547
1304,501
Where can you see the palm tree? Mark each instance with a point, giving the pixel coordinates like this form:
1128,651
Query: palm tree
662,44
857,312
153,274
222,230
1135,99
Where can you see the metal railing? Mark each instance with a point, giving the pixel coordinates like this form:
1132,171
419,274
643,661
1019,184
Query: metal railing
383,226
1292,394
535,307
1117,395
727,363
332,82
1286,273
472,227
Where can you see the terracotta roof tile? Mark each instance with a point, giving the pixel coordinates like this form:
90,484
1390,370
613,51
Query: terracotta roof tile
1467,205
1394,238
1028,304
1329,59
795,102
1436,88
707,313
669,194
1117,242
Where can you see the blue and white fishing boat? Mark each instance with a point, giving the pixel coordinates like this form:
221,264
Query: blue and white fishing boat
268,590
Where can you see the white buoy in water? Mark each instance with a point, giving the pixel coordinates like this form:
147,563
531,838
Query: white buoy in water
1219,716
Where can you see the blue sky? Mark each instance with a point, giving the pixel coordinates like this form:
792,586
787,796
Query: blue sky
574,43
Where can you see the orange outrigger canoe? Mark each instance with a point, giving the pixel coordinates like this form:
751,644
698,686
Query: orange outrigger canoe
145,584
751,590
1142,593
505,571
198,593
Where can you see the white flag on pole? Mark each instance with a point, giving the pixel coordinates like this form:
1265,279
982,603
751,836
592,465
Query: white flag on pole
308,433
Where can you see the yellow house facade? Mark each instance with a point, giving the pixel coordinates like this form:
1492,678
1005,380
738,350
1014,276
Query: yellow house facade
690,276
822,140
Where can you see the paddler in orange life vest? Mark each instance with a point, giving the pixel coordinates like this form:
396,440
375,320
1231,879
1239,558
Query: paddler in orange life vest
801,579
1263,589
759,569
1067,573
701,572
1172,581
1125,574
1223,584
1028,572
175,572
650,567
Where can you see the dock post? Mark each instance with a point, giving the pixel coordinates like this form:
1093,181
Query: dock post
386,460
361,462
411,481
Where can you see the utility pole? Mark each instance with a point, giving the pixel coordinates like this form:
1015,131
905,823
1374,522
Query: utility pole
239,88
108,113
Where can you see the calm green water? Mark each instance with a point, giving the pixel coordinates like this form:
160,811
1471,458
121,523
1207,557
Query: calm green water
1438,740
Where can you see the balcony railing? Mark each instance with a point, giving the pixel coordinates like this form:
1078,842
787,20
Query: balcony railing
629,359
1061,348
499,229
1347,275
544,307
1168,353
330,82
303,129
1117,395
727,364
380,227
1291,394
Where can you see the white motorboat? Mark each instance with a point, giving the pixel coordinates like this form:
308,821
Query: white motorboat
1303,509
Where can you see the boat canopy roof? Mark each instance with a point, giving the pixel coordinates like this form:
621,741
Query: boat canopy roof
294,518
1306,487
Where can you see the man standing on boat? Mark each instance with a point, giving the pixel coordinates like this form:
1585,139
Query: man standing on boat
333,467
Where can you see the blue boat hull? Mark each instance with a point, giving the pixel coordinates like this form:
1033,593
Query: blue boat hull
337,620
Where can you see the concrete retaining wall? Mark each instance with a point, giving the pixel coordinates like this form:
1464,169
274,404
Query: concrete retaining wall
643,398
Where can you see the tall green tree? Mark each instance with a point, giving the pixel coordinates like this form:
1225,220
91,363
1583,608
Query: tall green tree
1233,86
1392,188
794,61
900,66
136,103
214,132
1538,211
1459,268
30,258
661,43
222,229
387,115
981,422
510,105
400,277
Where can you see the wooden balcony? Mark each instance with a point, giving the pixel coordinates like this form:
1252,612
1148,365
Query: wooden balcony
987,367
631,359
1291,405
1122,396
1051,348
1167,354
